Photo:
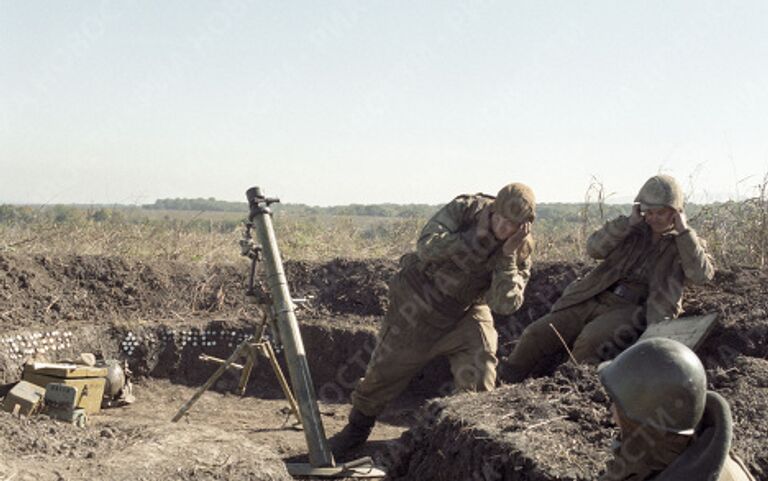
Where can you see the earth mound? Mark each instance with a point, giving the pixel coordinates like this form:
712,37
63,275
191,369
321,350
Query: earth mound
165,314
555,428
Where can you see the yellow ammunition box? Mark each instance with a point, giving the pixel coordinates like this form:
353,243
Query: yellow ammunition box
89,381
25,399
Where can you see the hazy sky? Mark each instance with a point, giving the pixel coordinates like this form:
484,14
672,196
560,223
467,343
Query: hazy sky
335,102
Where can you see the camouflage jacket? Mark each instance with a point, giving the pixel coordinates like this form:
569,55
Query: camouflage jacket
680,258
454,270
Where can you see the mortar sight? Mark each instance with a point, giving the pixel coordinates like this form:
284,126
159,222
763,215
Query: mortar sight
258,203
253,193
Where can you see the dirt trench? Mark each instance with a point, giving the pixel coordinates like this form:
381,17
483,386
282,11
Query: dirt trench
161,317
556,426
132,445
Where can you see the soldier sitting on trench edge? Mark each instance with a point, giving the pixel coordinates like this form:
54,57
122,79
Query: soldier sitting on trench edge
672,428
646,260
473,256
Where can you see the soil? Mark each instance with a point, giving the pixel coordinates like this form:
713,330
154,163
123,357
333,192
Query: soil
223,437
162,316
343,286
543,429
740,296
556,428
45,290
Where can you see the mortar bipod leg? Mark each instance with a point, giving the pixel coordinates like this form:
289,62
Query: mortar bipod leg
246,374
188,405
269,353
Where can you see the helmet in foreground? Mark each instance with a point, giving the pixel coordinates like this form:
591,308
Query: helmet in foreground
659,383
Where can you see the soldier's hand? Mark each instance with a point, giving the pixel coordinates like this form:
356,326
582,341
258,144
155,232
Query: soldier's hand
516,240
636,217
681,221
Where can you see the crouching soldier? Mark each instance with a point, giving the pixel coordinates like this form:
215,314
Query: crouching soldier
672,428
472,257
646,260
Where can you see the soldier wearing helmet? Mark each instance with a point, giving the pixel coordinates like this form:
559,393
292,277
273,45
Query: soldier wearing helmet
472,257
647,258
672,428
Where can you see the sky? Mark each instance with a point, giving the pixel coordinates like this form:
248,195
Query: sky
342,101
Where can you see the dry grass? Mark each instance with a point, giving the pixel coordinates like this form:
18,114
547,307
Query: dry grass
736,232
300,238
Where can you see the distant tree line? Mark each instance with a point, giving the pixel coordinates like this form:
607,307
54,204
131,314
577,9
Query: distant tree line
59,214
555,213
567,212
374,210
198,204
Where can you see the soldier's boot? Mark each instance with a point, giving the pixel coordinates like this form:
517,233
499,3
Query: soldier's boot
354,434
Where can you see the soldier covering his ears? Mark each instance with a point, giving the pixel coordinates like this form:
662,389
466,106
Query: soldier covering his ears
473,256
647,258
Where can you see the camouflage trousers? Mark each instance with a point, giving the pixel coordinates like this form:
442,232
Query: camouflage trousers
596,329
408,341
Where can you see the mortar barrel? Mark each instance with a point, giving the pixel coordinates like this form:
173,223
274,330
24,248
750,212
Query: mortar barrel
298,368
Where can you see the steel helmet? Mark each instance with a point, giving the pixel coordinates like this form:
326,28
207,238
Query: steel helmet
661,191
658,382
516,203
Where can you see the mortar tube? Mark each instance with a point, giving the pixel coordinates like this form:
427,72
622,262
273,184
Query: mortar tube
298,368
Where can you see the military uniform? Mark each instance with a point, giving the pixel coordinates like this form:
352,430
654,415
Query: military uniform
672,428
667,457
638,282
440,305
